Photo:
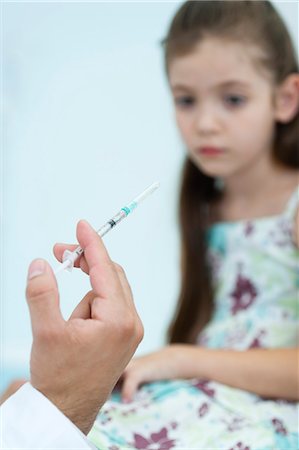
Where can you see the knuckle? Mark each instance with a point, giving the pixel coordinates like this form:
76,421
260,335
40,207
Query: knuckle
119,269
128,326
131,327
36,291
139,331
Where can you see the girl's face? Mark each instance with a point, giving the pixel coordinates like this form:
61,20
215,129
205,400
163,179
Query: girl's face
224,107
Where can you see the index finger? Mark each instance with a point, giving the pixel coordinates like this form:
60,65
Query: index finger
103,277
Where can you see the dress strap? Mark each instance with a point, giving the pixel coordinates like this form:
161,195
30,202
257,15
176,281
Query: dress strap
292,204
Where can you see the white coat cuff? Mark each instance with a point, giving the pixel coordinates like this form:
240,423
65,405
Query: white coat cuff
30,421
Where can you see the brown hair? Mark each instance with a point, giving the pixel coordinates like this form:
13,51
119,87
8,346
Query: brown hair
255,22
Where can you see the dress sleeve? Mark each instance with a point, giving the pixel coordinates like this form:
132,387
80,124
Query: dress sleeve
30,421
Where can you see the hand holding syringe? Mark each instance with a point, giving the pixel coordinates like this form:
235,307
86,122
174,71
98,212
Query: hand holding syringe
69,257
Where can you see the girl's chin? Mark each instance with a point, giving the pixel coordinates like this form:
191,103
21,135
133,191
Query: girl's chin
214,170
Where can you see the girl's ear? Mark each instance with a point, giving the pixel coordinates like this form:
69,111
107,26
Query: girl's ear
287,99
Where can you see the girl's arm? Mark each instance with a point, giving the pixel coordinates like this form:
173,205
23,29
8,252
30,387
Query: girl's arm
268,373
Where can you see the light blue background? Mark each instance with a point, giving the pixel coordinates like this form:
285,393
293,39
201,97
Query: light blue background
88,124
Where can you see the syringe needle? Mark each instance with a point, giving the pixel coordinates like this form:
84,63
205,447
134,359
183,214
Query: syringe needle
69,257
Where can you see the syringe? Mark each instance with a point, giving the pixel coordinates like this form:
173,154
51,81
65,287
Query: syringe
69,257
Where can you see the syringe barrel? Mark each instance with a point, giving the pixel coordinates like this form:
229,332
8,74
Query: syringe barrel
112,222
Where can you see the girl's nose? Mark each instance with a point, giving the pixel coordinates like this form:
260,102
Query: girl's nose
207,121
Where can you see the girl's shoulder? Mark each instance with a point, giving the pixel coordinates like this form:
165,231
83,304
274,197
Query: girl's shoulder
283,202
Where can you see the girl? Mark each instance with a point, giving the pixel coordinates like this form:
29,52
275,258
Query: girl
228,378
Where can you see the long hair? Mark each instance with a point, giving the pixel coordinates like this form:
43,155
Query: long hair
252,22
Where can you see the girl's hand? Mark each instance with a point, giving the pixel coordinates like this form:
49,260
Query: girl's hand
172,361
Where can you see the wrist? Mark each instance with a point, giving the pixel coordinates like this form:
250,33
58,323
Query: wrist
82,414
80,410
191,361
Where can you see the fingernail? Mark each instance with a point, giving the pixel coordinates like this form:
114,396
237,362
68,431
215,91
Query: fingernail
36,268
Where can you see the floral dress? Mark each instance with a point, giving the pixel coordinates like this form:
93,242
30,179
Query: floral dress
256,281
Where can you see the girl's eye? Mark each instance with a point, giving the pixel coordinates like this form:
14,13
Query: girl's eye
184,101
234,100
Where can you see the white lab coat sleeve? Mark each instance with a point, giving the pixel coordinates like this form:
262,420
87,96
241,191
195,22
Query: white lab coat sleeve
30,421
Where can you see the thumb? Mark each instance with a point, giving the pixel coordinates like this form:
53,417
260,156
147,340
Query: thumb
42,296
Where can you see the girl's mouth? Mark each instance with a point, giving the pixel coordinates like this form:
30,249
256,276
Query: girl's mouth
210,151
